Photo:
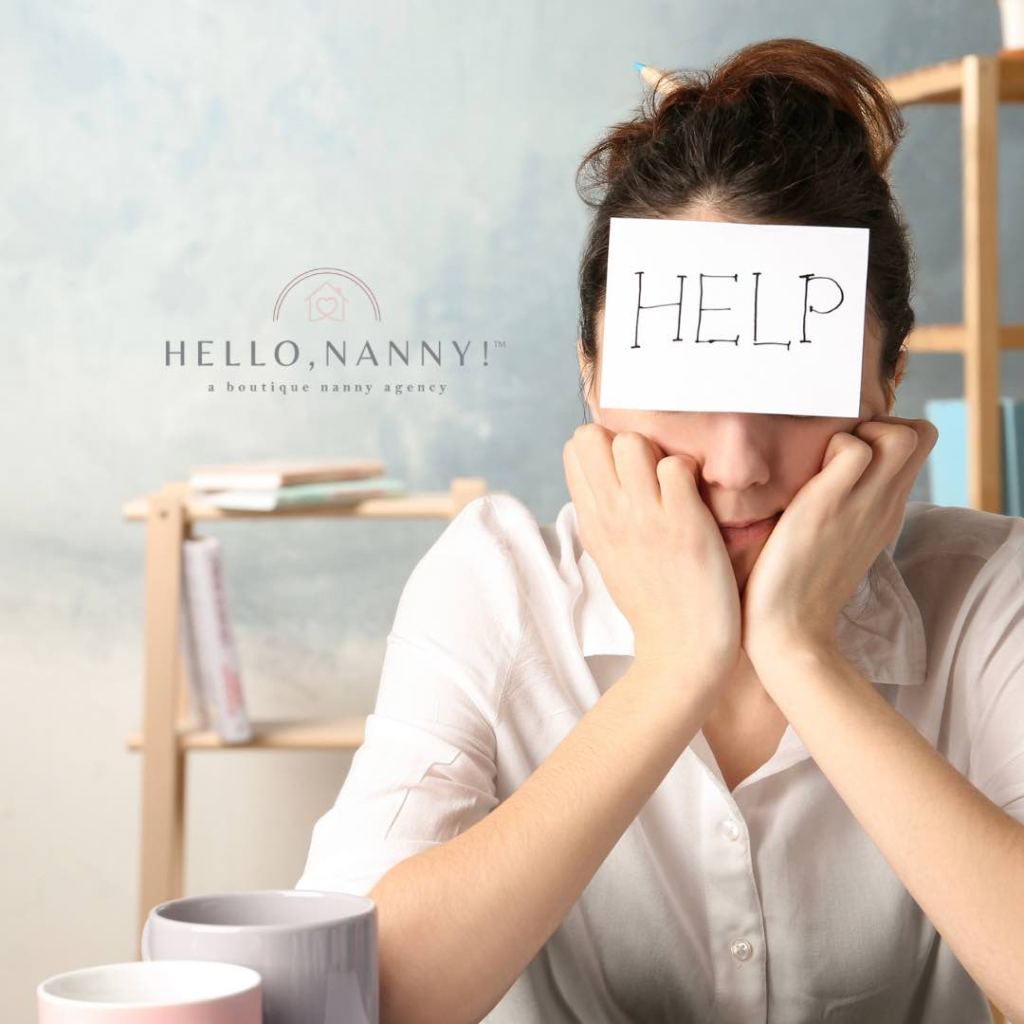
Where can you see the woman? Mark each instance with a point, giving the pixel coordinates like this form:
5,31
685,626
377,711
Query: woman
639,765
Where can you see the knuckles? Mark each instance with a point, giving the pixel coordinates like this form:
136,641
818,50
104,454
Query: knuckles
629,439
901,438
585,431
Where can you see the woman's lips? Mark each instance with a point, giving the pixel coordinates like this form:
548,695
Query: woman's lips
737,535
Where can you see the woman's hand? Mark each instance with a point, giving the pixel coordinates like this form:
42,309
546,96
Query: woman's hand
831,533
658,548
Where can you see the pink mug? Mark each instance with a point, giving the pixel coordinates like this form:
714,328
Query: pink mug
153,992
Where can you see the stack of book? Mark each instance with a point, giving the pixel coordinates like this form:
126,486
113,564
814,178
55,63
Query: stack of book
207,638
947,461
269,485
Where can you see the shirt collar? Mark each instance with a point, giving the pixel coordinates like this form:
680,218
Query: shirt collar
880,629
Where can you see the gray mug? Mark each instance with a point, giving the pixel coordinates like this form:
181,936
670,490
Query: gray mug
315,951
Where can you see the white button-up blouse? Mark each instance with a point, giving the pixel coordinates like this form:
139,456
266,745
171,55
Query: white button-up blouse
767,903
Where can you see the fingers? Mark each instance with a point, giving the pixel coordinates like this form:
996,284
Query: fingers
593,446
635,461
615,463
677,477
899,448
849,457
579,488
608,472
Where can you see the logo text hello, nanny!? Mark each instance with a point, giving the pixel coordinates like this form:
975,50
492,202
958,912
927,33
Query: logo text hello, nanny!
209,352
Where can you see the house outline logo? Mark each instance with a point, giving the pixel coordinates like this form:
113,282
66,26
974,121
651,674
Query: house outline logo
328,301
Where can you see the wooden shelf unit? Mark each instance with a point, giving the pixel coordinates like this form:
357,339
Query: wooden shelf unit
166,736
979,83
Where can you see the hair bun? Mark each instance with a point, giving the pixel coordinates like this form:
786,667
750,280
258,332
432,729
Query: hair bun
847,84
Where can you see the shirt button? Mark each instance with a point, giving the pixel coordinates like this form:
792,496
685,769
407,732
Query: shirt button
730,829
741,949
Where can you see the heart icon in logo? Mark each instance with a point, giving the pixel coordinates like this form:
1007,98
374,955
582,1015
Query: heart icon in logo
326,306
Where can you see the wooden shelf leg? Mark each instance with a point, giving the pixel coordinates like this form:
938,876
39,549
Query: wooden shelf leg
163,759
982,349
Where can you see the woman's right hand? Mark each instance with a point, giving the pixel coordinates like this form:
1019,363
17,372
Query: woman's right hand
658,548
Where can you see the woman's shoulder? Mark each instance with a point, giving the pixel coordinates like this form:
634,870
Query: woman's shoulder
494,552
957,538
498,514
501,520
960,564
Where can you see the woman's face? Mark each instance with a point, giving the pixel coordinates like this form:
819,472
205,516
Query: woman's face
750,464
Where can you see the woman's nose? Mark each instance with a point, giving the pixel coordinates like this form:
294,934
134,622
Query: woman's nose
734,451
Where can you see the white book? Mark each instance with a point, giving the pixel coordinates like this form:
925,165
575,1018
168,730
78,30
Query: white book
196,696
215,649
269,474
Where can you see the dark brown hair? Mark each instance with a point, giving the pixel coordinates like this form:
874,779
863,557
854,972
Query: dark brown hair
784,131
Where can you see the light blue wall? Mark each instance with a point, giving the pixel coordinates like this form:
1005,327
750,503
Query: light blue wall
166,168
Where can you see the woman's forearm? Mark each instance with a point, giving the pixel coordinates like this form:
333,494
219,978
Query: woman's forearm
460,922
956,852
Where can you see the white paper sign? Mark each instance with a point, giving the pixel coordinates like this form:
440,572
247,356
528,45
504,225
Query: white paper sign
713,316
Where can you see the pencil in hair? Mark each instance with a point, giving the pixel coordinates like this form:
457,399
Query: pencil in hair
652,76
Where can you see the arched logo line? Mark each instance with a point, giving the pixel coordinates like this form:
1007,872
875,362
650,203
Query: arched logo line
335,271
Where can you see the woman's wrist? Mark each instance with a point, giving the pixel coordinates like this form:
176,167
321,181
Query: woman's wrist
675,682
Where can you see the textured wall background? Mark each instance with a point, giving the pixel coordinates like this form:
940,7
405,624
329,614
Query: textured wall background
166,169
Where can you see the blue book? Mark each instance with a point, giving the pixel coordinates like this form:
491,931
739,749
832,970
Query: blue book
1013,456
947,462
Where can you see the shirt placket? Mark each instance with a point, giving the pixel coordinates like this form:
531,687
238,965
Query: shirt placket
734,913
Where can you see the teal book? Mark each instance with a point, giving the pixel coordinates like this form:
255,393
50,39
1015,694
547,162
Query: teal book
333,492
947,462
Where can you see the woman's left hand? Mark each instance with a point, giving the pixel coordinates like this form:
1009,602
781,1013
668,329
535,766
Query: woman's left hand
831,532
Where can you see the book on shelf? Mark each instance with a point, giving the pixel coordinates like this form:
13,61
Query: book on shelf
215,678
1013,454
270,474
340,492
198,718
947,461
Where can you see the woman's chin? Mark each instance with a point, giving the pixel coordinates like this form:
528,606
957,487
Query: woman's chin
743,562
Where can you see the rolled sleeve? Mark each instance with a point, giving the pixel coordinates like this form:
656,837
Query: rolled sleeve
426,769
